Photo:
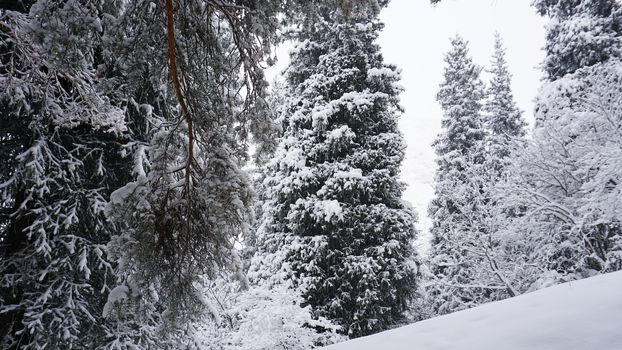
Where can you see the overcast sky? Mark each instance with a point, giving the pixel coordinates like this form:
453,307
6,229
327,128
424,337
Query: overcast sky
416,37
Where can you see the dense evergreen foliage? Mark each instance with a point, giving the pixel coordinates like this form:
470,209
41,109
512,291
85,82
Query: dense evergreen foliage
334,222
61,136
580,33
460,150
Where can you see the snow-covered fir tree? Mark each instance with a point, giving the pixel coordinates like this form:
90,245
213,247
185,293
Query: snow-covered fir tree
473,260
498,270
580,33
461,97
504,121
60,135
334,226
457,219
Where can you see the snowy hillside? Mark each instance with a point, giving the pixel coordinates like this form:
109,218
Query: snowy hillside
581,315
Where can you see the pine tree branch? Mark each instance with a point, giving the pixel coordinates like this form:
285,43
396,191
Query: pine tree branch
170,26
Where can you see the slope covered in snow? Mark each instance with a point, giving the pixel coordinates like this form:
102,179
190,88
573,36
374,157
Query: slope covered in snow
580,315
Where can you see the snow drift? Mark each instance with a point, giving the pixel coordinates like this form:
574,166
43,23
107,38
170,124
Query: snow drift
580,315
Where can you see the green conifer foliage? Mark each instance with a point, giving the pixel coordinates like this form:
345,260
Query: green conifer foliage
334,225
581,33
455,208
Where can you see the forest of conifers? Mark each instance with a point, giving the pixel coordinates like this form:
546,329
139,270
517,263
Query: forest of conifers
158,193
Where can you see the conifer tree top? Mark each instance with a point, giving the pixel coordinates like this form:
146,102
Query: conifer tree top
460,96
504,117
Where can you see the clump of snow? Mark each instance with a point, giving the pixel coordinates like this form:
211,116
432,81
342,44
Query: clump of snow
350,174
329,209
342,133
291,157
118,196
119,293
580,315
383,72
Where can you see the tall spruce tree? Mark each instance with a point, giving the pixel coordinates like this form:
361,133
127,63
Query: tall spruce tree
501,269
334,225
60,157
455,210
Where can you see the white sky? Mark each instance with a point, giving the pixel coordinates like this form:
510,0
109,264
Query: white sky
416,37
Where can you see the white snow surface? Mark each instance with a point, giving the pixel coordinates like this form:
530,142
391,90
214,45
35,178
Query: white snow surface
580,315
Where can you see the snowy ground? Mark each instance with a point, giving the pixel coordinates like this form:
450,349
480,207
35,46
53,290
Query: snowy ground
581,315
